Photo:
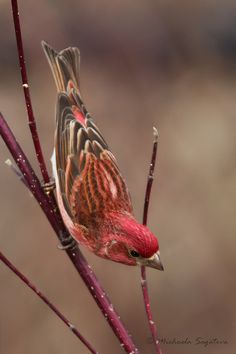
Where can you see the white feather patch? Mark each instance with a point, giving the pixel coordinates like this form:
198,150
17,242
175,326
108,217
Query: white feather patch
111,184
66,218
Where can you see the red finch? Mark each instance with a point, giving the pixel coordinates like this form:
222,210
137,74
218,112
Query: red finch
92,196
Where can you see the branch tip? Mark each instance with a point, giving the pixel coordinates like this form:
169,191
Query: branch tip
155,134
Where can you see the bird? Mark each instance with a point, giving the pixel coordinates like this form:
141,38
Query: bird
92,195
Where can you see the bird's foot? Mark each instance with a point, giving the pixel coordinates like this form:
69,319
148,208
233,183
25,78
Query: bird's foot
66,242
49,186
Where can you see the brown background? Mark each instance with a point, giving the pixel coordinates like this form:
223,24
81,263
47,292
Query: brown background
165,63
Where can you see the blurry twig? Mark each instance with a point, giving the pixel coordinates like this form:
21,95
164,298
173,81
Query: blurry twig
6,261
152,325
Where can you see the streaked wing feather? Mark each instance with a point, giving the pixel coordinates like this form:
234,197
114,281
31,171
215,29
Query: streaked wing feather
99,189
88,177
92,182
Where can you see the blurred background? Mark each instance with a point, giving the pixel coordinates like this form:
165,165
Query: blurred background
164,63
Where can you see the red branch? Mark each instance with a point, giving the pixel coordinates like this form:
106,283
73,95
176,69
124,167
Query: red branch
74,254
151,323
47,302
31,121
150,176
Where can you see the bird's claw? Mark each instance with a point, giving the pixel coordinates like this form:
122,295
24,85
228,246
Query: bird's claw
49,186
67,243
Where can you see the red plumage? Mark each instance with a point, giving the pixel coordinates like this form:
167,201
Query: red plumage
92,195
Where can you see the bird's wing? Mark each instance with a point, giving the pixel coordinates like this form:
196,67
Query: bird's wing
89,179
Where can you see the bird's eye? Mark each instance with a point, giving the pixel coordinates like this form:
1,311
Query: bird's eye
134,253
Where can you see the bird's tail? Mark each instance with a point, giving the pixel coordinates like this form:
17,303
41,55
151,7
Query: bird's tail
65,67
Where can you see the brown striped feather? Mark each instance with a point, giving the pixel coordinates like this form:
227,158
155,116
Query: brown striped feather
89,180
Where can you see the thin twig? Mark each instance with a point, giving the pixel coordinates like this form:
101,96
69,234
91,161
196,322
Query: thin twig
5,260
146,298
25,85
74,254
150,176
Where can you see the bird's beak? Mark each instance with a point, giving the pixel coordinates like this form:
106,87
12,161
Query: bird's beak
153,262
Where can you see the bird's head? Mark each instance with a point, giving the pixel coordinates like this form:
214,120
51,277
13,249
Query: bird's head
128,242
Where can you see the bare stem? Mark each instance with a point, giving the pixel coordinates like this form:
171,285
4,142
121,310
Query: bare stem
150,176
146,298
5,260
25,85
74,254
